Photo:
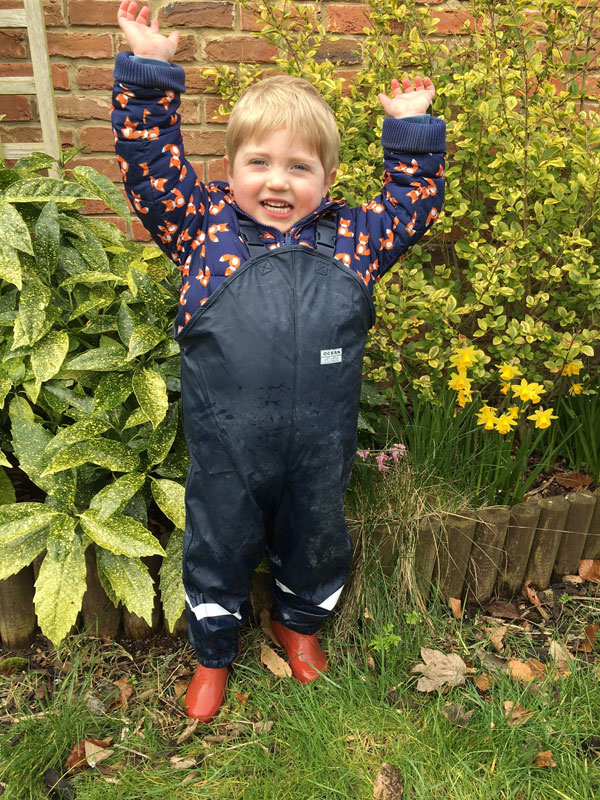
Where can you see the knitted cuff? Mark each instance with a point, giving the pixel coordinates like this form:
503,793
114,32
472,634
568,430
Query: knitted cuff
414,137
151,75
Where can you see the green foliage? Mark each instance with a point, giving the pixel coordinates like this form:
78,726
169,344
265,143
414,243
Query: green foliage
89,389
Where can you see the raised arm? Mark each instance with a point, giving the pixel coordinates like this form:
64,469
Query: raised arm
143,39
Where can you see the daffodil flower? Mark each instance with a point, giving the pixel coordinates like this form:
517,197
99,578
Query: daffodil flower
542,418
513,412
459,382
573,367
528,391
576,388
505,388
504,424
487,416
508,372
464,396
463,358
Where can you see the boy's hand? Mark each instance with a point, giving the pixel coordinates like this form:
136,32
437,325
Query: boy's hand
144,39
408,100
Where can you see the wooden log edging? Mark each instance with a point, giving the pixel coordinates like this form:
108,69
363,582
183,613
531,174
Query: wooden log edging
463,555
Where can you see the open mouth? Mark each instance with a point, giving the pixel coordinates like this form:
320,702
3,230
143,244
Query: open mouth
276,207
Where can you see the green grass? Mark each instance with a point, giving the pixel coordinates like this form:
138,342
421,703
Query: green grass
328,739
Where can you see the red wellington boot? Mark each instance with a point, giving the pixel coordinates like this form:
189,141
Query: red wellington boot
206,692
304,653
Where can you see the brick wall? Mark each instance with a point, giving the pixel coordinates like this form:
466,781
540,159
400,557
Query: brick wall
83,38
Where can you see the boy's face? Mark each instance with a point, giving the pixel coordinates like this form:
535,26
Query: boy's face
277,180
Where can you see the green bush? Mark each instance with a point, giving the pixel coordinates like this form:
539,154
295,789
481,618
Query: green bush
89,381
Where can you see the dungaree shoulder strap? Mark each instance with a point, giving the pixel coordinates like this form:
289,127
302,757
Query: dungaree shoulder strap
325,234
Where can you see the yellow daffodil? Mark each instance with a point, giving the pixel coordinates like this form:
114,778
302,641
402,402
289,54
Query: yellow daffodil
463,358
505,388
508,372
576,388
528,391
573,367
513,412
487,416
464,396
459,382
542,418
504,424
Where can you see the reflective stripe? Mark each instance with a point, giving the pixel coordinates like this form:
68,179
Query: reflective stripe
210,610
329,602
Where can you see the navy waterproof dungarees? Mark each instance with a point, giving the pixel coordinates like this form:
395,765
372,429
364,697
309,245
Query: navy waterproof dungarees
271,374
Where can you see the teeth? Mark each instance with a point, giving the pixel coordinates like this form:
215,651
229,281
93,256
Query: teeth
276,205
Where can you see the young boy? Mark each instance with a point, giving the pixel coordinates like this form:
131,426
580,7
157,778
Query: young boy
275,306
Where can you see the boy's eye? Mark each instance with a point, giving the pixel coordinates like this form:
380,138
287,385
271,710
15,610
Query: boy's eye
258,162
300,166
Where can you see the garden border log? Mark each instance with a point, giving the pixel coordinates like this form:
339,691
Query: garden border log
456,539
522,526
426,554
18,622
551,523
591,548
487,551
581,509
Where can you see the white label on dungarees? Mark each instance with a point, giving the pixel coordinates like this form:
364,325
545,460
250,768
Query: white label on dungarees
331,356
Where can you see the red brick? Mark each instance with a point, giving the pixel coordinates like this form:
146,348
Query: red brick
83,108
238,48
211,110
106,166
348,77
251,20
97,139
451,21
197,15
140,234
53,11
12,44
216,171
60,74
198,167
188,111
101,13
342,51
348,19
196,82
15,107
31,134
204,143
186,50
95,77
94,208
80,45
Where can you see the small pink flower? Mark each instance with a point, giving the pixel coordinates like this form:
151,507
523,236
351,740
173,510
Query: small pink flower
397,451
363,453
380,459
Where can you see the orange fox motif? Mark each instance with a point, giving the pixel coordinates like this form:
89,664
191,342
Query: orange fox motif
177,201
151,133
406,169
123,166
344,227
222,227
145,168
167,99
137,203
345,258
129,131
374,266
158,183
200,239
186,318
362,248
173,119
191,208
183,292
166,232
203,276
432,216
183,237
123,97
441,173
185,267
204,299
387,242
233,262
422,192
410,227
375,206
366,278
214,210
175,160
145,114
183,172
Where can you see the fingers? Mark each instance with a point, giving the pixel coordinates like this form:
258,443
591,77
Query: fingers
419,85
127,11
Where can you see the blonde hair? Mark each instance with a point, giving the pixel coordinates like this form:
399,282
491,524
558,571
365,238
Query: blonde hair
284,101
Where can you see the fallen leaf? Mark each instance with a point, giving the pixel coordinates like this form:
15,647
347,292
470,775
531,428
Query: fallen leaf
273,662
503,610
180,687
519,670
367,614
438,670
181,762
539,670
95,754
589,570
561,658
544,759
573,480
388,784
190,728
491,661
242,697
125,692
576,579
590,638
456,607
533,598
498,634
262,726
78,759
483,682
455,713
265,624
515,714
370,661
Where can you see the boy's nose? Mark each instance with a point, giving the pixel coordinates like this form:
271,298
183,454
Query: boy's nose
277,179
